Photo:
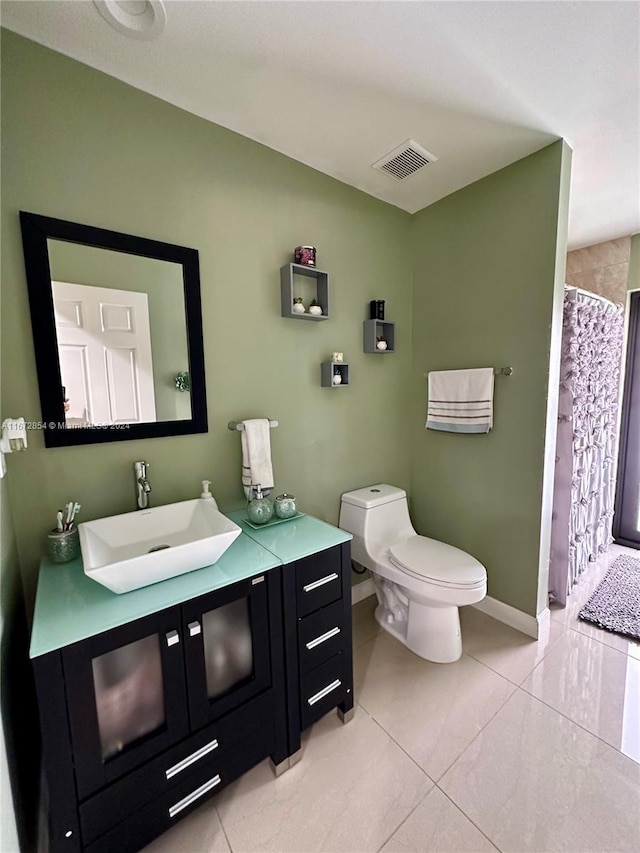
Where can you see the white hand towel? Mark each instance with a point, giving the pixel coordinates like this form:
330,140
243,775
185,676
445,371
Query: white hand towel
461,400
256,455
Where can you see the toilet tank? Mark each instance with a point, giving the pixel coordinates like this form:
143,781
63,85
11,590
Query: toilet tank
376,516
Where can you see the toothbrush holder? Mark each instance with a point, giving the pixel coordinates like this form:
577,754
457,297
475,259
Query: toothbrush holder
63,546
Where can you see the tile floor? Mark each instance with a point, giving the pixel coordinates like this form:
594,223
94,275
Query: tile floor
519,746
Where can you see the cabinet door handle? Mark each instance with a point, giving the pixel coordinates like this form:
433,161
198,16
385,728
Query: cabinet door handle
327,579
172,638
194,795
191,759
322,638
324,692
194,628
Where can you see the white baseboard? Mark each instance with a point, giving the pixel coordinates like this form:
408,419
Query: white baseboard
532,626
363,590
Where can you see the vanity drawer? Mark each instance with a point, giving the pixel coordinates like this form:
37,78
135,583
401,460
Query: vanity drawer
322,689
318,581
156,817
148,822
321,636
220,748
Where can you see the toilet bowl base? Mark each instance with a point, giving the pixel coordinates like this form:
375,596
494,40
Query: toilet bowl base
431,631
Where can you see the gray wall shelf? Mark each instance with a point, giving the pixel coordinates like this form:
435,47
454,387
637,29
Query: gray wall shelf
374,329
328,369
288,290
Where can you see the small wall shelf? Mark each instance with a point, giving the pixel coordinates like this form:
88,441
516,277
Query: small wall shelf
372,330
329,369
288,291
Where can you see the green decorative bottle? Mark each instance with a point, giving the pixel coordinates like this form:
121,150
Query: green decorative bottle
260,509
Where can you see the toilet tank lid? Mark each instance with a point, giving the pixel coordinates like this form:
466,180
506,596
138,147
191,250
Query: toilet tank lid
372,496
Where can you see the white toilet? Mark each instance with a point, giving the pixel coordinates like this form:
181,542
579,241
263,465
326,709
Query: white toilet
420,582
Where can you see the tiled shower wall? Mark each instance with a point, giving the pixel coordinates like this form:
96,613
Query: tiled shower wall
601,269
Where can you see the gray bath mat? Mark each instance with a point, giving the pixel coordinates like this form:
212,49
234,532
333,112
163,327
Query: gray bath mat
615,605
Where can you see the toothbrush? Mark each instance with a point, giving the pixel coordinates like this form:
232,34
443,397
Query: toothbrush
59,517
69,508
76,509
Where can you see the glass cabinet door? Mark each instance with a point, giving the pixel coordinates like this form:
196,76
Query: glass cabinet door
126,695
129,694
227,648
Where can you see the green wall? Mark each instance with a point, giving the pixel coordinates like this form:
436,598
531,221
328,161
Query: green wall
486,274
634,264
81,146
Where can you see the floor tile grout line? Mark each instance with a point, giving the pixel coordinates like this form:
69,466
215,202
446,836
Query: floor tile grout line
462,812
402,822
579,725
224,831
502,675
490,668
510,683
400,747
479,732
602,643
518,683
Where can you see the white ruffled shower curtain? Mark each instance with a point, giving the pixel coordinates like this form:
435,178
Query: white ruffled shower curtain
584,489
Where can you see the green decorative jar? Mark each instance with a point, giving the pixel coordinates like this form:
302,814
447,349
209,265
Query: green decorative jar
260,509
285,506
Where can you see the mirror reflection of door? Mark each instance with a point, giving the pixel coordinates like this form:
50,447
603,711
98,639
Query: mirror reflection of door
121,369
104,345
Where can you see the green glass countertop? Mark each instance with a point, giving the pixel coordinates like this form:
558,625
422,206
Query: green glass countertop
71,607
293,539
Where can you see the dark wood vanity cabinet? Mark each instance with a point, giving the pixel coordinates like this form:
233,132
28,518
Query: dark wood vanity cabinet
317,595
144,721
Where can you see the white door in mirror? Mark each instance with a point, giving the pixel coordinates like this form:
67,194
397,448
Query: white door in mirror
104,345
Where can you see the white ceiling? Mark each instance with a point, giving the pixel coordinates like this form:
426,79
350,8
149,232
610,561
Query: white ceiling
336,85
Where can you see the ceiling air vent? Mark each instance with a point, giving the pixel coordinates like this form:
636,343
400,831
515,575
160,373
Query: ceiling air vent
405,160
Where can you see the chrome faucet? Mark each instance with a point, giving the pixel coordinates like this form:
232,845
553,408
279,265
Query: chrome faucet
143,486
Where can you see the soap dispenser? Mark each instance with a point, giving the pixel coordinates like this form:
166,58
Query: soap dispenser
206,494
259,509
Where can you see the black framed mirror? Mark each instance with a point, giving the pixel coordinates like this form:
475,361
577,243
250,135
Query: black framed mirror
117,331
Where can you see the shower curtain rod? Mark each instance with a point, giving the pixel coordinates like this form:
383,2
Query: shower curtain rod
591,295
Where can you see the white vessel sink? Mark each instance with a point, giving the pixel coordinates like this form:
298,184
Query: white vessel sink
125,552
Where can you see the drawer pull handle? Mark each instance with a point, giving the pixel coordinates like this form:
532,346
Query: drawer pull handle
324,692
194,795
311,586
322,638
191,759
173,638
194,629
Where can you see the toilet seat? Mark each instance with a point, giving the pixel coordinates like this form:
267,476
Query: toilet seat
437,563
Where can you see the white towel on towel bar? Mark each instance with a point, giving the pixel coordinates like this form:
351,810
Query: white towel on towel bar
256,455
461,400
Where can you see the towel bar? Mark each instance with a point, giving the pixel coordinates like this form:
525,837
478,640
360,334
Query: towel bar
239,425
497,371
